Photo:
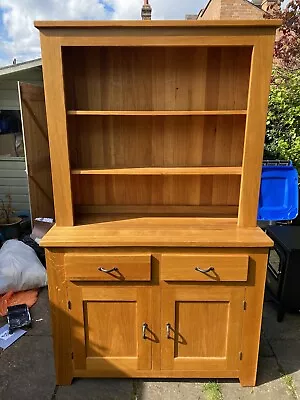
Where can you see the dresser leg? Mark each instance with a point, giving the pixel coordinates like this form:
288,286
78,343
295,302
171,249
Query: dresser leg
64,380
249,380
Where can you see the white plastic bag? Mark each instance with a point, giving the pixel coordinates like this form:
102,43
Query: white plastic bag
20,268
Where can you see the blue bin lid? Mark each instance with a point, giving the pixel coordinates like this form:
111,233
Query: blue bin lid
278,199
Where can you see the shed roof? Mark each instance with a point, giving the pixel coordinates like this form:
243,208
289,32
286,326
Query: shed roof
12,68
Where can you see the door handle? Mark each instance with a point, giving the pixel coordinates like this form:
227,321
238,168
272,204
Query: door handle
168,328
204,271
144,328
108,271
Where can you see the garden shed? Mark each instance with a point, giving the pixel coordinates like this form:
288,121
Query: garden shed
13,176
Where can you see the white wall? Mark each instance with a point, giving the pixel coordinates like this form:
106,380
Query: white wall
9,88
13,180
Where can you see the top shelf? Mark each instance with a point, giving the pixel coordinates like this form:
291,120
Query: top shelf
154,113
159,24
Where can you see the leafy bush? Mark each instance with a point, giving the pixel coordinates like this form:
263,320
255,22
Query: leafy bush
283,122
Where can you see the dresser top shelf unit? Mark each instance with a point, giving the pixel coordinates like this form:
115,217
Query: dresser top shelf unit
158,118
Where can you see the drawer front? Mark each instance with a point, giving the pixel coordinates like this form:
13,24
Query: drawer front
97,267
204,267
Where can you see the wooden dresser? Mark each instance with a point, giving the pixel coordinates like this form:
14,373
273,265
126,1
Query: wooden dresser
156,129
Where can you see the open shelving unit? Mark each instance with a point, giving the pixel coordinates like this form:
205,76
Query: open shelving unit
156,127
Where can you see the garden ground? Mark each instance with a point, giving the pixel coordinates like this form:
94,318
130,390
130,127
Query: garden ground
27,369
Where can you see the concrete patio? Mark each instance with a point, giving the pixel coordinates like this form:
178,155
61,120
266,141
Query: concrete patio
27,369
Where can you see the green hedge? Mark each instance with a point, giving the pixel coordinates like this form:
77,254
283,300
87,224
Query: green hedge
283,122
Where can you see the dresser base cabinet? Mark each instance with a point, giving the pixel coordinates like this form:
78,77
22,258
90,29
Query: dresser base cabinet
156,328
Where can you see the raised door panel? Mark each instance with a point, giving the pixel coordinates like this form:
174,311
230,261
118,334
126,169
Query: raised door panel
201,328
107,329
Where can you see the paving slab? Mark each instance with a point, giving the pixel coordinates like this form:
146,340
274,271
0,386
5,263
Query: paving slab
288,355
289,328
97,389
149,389
27,369
40,314
296,381
270,385
265,350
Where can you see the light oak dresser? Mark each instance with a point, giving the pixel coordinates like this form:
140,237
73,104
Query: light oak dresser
156,131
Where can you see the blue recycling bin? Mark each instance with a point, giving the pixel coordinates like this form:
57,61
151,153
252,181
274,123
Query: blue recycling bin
278,199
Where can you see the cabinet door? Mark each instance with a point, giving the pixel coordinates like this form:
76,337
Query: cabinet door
109,335
201,328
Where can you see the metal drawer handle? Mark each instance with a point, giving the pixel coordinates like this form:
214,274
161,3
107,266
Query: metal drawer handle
108,271
144,328
168,328
204,271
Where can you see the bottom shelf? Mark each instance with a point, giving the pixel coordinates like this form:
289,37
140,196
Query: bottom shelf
127,211
116,221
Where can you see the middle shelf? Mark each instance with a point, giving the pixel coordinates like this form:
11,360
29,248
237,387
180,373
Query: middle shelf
160,171
156,113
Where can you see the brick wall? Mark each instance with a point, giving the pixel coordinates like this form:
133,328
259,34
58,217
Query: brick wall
213,10
239,9
232,9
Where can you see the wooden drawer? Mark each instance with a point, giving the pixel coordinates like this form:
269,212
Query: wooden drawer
219,267
97,267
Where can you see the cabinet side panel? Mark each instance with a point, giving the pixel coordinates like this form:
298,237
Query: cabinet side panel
57,129
60,317
255,130
254,296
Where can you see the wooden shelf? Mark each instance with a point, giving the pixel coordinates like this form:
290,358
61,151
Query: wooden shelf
131,230
158,24
161,171
156,113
